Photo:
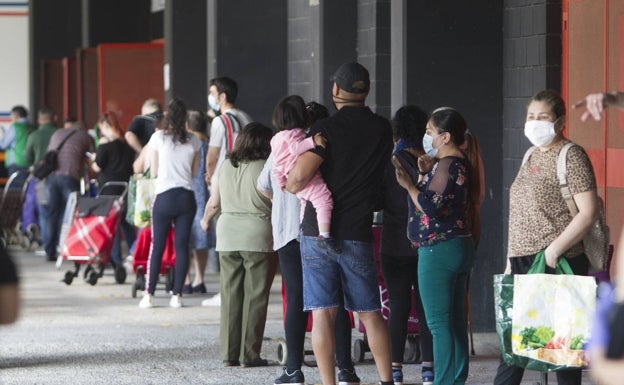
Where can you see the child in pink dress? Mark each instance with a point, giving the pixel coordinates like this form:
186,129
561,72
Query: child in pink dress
286,146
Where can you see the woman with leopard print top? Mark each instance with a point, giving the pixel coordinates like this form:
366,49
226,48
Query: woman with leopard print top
539,218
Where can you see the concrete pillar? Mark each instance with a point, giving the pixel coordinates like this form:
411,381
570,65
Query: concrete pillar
55,31
247,42
186,52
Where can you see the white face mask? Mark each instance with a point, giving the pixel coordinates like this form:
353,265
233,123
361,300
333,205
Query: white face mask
428,145
212,102
540,132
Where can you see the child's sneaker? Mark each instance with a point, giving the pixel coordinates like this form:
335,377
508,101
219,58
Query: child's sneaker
176,301
427,375
397,375
296,377
146,302
348,377
327,244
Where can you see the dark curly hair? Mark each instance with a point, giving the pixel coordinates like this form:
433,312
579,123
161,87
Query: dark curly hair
410,123
252,143
174,123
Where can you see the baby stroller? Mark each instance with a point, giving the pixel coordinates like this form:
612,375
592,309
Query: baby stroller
11,204
89,227
140,259
360,346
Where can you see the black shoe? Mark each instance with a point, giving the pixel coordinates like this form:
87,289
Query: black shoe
231,363
187,289
255,363
296,378
50,258
201,289
348,377
327,244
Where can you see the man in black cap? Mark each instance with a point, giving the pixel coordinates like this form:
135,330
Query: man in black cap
358,150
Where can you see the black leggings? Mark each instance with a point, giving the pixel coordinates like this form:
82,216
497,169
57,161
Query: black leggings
401,274
296,320
512,375
176,206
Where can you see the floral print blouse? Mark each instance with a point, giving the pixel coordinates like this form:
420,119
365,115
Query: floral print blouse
444,201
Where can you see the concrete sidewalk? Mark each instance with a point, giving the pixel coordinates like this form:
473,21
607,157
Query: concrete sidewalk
83,334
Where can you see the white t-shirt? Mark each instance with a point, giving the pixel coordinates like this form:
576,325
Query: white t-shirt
218,136
175,161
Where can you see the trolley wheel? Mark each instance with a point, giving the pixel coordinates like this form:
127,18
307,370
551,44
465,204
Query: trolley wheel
120,274
93,278
282,352
358,350
169,281
87,272
69,277
412,350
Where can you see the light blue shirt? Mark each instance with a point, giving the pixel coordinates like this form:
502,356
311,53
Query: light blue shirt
285,214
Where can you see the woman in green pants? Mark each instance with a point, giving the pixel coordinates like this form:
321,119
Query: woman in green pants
439,225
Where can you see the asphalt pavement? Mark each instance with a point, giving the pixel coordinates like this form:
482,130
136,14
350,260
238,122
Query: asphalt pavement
84,334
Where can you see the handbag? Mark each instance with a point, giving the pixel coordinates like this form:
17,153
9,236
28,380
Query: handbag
49,161
546,327
596,241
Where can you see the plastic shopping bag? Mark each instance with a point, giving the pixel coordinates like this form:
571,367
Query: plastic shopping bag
144,196
547,325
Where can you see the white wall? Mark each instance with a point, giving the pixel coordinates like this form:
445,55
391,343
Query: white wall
14,56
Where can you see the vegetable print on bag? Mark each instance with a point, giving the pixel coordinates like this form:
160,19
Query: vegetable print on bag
552,319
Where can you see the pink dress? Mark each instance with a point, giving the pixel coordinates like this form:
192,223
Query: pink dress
286,146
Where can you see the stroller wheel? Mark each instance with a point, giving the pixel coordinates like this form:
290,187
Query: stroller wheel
87,270
358,350
282,352
120,274
93,278
69,277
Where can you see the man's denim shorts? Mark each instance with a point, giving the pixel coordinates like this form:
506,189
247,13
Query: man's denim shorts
327,275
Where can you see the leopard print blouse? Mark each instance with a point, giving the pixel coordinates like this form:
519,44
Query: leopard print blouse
537,211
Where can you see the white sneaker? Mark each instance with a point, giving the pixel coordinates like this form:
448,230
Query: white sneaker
146,302
215,300
176,301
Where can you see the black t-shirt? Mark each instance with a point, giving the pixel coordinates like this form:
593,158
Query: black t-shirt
358,150
8,273
394,232
115,161
143,126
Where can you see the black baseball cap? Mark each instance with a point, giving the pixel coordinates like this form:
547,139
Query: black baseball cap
352,77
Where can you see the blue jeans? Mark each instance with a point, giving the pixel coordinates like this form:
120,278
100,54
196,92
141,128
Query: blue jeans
59,187
328,276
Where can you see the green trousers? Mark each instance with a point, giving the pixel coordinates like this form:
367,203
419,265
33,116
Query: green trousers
442,276
246,279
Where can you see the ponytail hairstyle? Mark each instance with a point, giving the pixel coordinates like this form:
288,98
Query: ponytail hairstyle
174,123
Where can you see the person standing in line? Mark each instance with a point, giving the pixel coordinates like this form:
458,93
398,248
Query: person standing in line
539,218
224,129
439,226
72,161
36,147
359,148
174,160
14,140
244,242
143,126
200,240
399,260
285,219
113,163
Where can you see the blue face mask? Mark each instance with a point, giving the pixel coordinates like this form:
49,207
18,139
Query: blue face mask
212,102
428,145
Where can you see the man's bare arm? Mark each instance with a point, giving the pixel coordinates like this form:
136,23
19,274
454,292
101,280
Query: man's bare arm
307,164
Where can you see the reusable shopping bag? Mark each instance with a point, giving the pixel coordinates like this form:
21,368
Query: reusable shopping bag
132,183
144,196
546,326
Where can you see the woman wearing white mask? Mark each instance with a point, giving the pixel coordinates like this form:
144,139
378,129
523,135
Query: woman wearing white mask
439,226
539,218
